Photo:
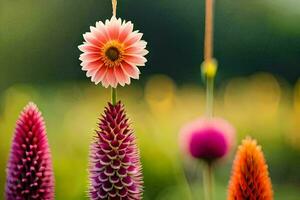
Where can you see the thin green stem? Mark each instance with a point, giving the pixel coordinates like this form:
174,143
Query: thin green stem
209,97
114,96
189,193
208,181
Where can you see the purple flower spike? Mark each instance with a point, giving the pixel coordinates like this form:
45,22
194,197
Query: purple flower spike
115,169
29,171
208,139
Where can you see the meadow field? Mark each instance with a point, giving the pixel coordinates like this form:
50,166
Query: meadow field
261,105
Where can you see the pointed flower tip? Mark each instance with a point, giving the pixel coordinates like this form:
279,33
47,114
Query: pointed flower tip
250,177
29,170
30,105
207,139
115,169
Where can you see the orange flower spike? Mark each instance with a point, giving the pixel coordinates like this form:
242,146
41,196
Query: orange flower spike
250,177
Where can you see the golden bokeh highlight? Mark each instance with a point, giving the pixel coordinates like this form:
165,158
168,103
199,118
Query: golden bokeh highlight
160,93
253,102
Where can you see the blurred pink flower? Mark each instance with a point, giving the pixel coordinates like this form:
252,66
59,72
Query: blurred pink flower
207,139
112,52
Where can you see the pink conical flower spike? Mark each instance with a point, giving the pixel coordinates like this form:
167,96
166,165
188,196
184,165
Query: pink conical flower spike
115,169
29,170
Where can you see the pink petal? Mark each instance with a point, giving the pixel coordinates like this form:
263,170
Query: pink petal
137,49
133,38
99,75
135,59
130,70
125,31
89,57
105,82
89,48
122,78
89,37
92,72
141,44
102,29
100,36
91,65
144,52
134,50
114,28
110,77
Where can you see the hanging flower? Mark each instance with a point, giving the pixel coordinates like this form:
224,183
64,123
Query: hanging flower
112,52
115,169
207,139
250,176
29,171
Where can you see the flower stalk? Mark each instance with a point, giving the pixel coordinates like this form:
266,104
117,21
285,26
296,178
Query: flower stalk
209,97
113,96
114,90
209,65
208,35
208,180
114,7
209,68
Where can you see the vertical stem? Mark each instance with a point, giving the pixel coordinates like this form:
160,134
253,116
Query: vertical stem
114,7
209,97
114,96
208,181
208,35
208,55
114,90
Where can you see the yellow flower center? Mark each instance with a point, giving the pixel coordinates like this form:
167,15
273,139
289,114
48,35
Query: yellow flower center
112,53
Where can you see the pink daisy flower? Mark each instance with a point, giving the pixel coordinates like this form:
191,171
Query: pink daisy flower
112,53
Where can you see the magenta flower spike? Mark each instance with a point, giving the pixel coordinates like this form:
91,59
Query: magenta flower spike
115,169
29,170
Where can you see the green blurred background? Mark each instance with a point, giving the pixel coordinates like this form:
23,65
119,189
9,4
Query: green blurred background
257,44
